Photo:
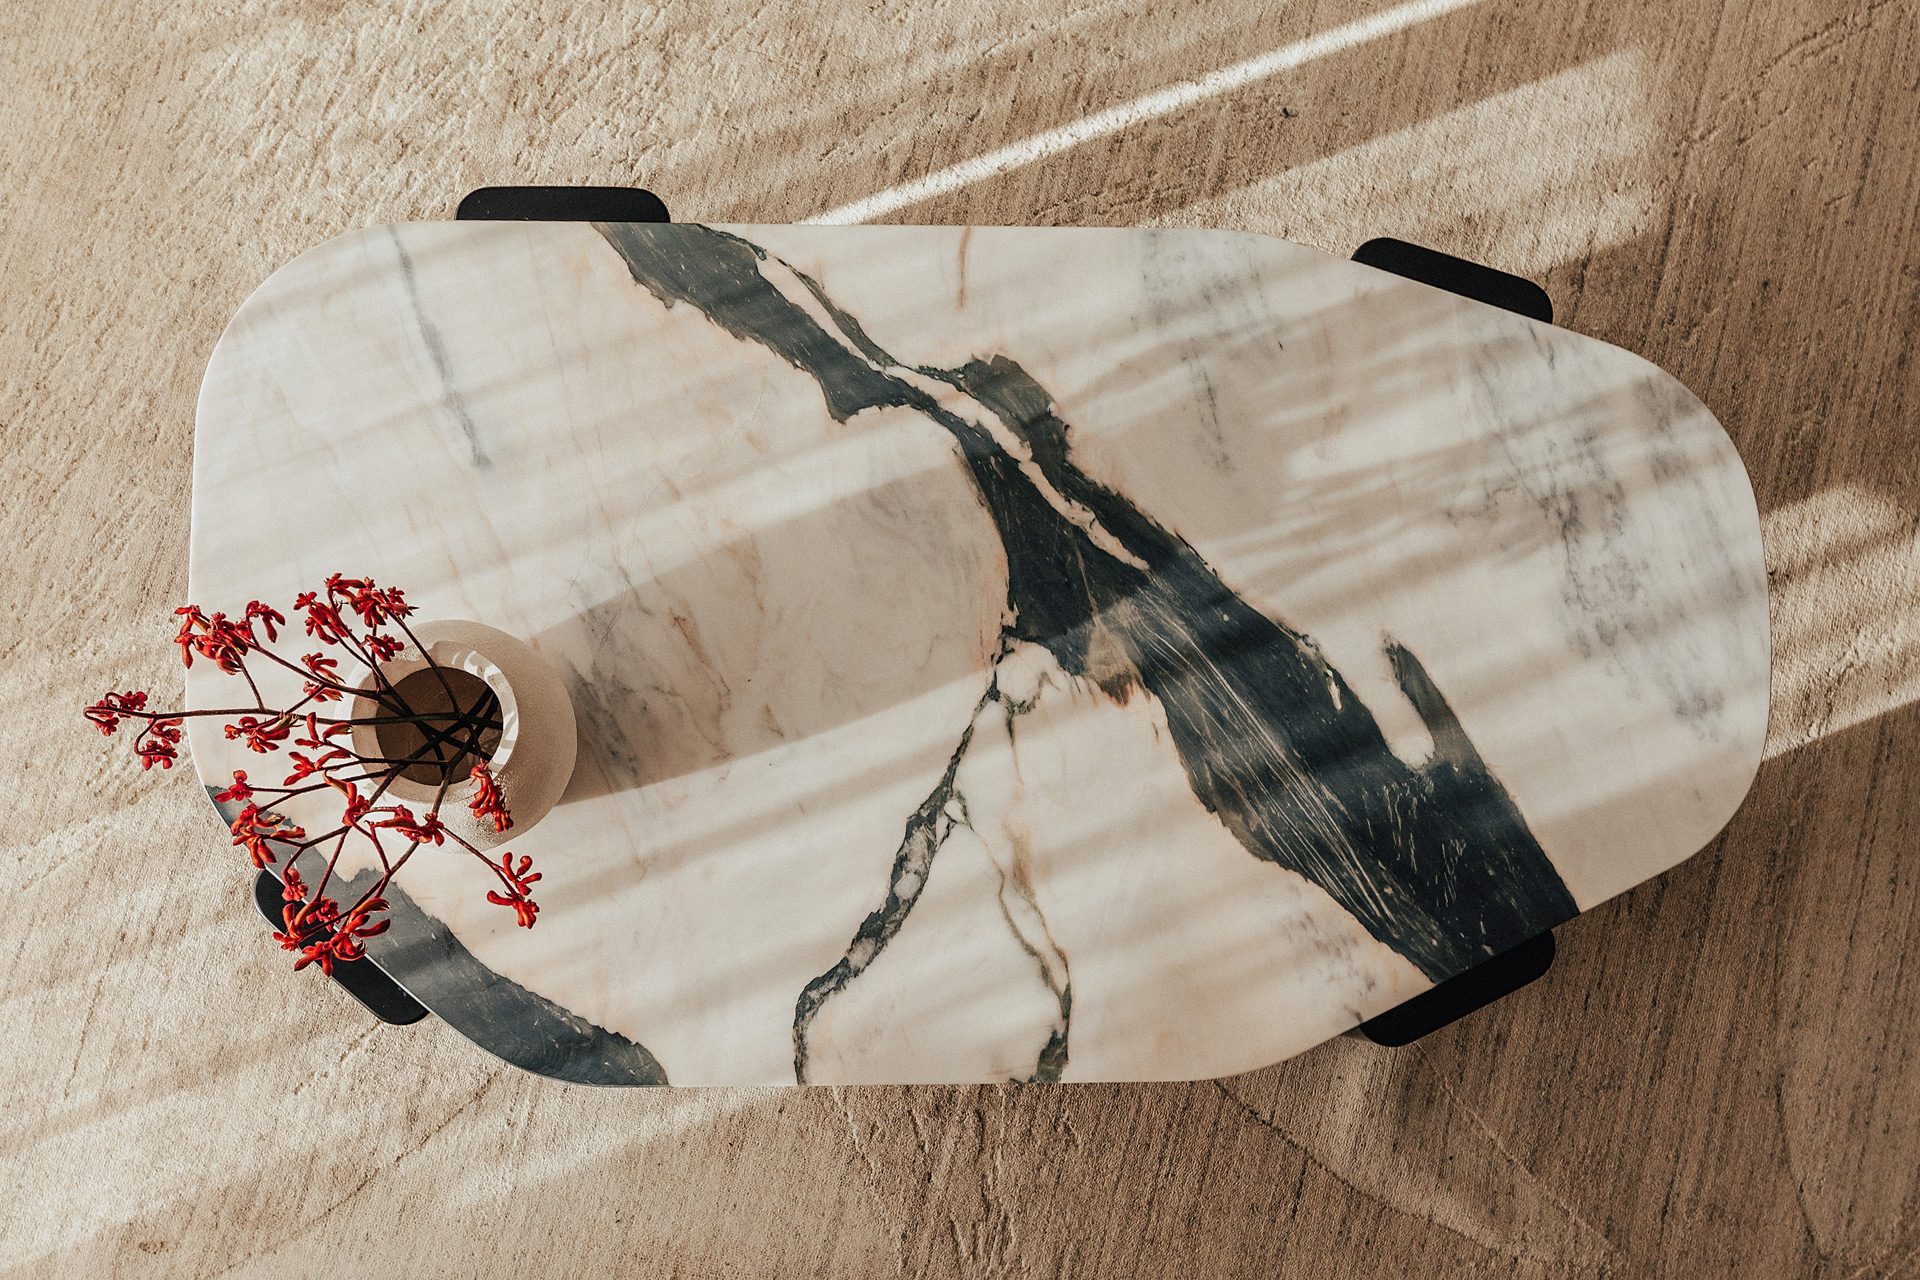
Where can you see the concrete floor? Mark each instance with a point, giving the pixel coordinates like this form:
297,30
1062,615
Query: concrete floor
1720,1075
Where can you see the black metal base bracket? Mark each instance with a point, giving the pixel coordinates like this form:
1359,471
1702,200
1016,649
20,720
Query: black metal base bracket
384,998
562,204
1457,275
1462,994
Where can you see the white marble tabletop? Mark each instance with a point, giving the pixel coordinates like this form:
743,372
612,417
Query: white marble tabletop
999,653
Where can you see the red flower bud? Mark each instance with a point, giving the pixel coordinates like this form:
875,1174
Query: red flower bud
106,713
267,615
488,801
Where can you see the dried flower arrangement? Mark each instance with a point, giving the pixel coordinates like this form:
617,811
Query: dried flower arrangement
448,731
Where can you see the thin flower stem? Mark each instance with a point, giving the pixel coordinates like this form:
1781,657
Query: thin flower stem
250,684
390,775
393,869
320,889
432,663
471,745
415,719
327,875
305,674
353,646
188,715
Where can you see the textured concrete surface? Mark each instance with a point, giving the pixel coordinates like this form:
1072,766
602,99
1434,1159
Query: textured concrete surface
1721,1074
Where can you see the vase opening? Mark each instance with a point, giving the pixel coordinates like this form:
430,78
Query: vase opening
447,750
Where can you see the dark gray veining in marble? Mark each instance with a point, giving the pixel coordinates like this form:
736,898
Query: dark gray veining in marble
1435,861
436,344
927,829
933,821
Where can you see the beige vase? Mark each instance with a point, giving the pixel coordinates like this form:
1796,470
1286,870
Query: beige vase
532,756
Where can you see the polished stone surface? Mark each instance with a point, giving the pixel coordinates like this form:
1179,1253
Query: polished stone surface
1003,653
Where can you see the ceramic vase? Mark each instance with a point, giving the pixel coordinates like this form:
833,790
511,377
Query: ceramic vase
532,756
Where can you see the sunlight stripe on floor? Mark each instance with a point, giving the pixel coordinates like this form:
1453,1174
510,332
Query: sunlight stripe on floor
1160,102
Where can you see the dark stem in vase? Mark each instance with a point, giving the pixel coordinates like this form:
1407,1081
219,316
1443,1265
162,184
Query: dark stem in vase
434,695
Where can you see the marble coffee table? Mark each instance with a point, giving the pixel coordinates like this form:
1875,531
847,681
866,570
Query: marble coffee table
1000,653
